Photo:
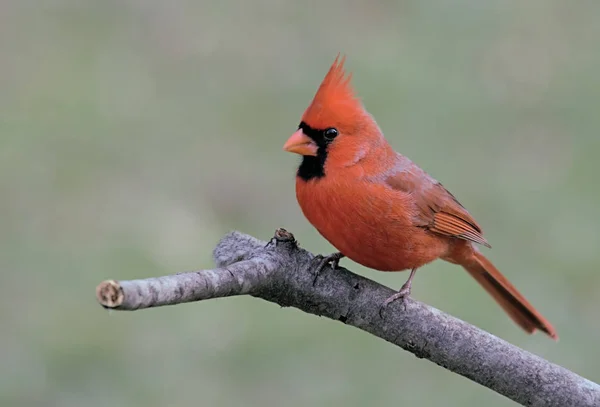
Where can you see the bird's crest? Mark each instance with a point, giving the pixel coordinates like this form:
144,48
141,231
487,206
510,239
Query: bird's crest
334,103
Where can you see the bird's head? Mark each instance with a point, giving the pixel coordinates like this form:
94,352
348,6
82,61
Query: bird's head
335,129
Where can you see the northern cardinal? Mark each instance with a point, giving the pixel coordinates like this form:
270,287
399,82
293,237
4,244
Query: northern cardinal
380,209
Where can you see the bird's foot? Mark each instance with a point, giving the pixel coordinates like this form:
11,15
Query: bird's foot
402,294
323,261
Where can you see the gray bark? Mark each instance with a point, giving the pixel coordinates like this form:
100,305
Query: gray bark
283,273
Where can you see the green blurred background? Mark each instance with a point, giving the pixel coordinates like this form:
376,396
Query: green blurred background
135,134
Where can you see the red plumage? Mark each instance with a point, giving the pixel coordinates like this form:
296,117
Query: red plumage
379,208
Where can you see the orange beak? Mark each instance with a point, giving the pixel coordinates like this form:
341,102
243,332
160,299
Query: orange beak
301,144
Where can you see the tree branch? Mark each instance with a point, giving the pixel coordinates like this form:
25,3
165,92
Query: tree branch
281,272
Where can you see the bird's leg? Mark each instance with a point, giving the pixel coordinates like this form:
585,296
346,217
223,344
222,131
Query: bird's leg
403,292
333,258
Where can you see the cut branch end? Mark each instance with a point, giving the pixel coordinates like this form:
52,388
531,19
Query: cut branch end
109,294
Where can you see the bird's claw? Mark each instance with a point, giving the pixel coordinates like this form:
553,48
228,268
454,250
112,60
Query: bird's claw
318,259
323,261
403,294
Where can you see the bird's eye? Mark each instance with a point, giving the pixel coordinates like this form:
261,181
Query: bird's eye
330,133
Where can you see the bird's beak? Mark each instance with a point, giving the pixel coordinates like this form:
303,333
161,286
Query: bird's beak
301,144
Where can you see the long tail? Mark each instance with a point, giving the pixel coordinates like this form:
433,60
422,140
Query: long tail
515,305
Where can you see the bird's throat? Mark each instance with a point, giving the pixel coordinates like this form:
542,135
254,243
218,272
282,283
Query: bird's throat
313,166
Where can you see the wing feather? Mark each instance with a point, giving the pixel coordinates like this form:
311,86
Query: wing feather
437,209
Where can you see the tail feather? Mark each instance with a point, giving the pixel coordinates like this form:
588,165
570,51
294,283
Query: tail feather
507,296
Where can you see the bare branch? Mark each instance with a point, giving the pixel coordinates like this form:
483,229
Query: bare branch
282,273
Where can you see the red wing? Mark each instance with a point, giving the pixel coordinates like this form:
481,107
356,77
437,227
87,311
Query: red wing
437,209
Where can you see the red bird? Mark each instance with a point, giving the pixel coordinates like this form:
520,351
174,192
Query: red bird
380,209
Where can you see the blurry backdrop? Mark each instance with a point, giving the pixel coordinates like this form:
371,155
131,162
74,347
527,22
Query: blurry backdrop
135,134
